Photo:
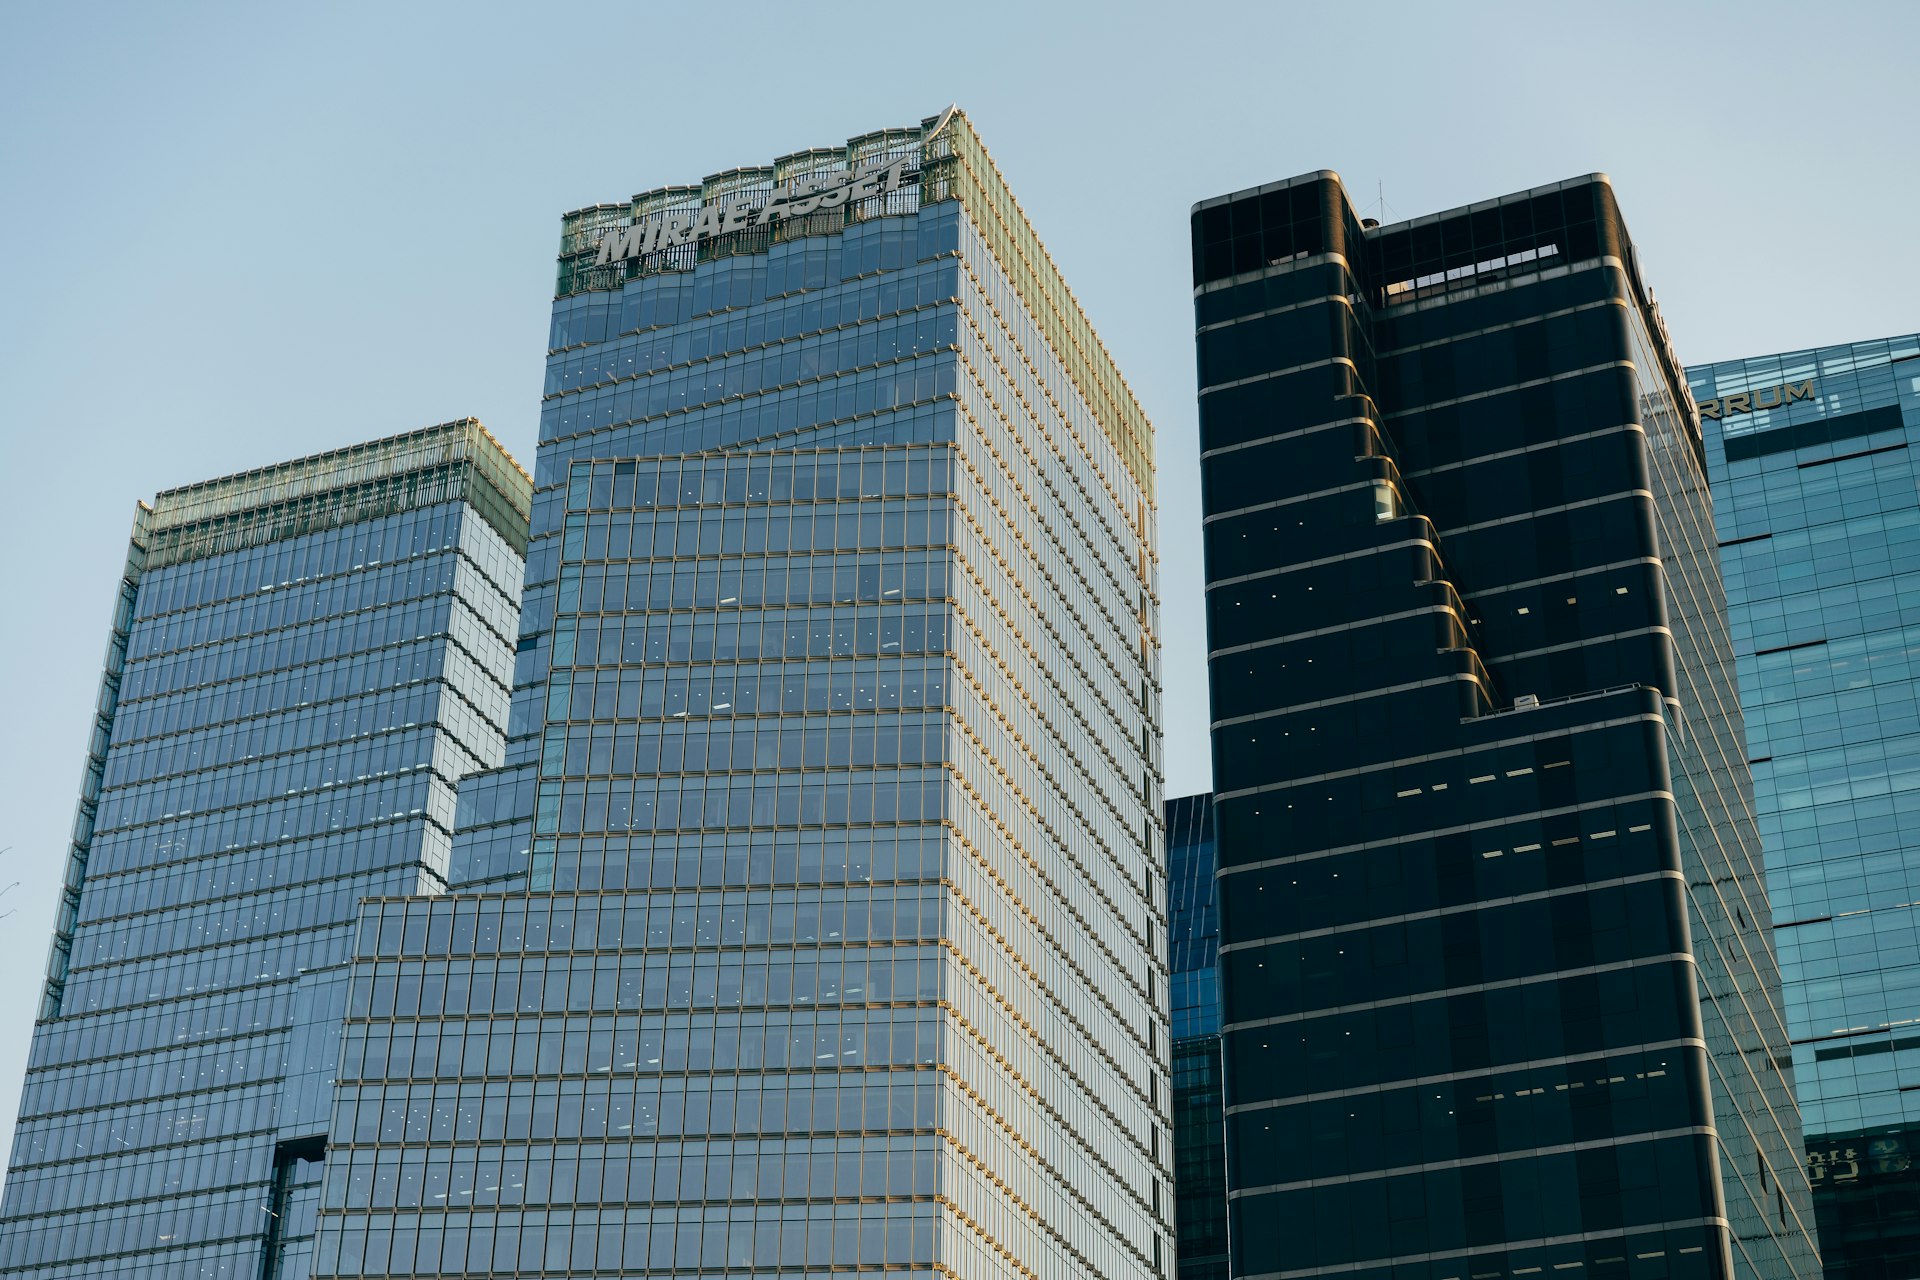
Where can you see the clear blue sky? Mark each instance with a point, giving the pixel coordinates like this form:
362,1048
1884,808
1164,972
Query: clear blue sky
231,235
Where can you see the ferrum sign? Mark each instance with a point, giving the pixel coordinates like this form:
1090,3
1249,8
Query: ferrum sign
795,200
1747,401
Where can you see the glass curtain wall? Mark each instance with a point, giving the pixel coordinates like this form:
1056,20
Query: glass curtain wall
305,660
1819,523
1199,1132
817,918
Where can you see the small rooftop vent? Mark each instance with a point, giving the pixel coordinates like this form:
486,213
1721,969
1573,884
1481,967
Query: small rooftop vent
1526,702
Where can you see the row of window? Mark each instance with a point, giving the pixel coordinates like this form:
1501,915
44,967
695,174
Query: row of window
637,1175
751,1040
869,631
748,689
332,677
276,958
560,923
118,1180
703,308
288,561
1589,1100
141,1125
199,926
873,524
316,642
314,599
666,1108
791,742
790,475
780,359
734,859
225,744
769,979
420,793
868,577
182,866
319,765
811,416
565,1243
669,804
194,1068
150,1232
829,394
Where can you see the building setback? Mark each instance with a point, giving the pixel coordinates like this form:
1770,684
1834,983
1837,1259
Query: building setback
1498,995
817,915
1819,519
1199,1137
304,660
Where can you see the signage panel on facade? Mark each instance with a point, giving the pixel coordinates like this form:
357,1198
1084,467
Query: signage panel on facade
1748,401
795,200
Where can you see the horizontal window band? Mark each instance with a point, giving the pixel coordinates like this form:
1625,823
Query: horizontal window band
1787,648
1654,1229
1382,691
1321,562
1319,300
1464,908
1586,571
1295,433
1678,958
1866,1049
1848,457
1466,1162
1291,265
1331,362
1624,428
1455,753
1478,1073
1548,381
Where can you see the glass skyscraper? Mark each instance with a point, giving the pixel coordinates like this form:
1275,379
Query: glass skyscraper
1199,1136
817,917
1817,502
304,660
1498,995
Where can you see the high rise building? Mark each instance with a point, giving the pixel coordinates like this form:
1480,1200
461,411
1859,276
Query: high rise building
1818,513
304,660
817,916
1498,995
1199,1133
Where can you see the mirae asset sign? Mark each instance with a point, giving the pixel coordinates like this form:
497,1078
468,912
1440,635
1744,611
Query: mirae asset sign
795,200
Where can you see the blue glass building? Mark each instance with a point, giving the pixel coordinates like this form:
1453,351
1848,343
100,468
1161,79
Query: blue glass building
816,919
1817,504
304,661
1199,1126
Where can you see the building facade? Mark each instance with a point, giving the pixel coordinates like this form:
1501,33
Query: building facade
1498,995
816,918
1818,513
304,660
1199,1122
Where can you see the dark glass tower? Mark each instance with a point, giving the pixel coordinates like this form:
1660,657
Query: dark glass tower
1498,993
1818,510
1199,1135
817,919
305,659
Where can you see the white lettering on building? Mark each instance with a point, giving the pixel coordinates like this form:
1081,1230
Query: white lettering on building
795,200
